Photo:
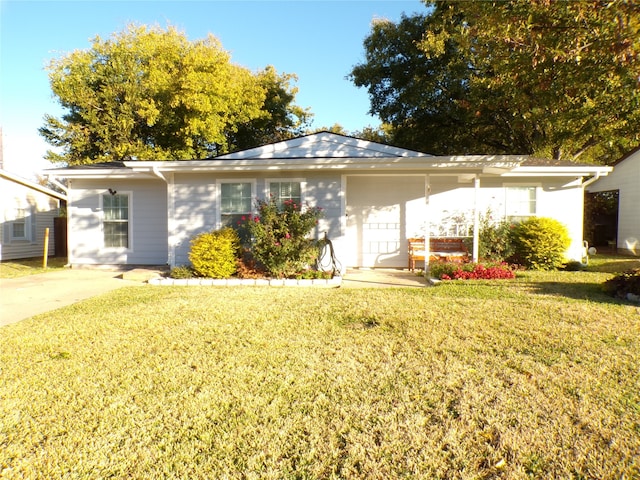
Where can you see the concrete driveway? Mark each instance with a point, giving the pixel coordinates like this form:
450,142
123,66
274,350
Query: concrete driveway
24,297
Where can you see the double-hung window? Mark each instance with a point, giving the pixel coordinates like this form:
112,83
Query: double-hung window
116,216
235,203
286,190
19,225
520,202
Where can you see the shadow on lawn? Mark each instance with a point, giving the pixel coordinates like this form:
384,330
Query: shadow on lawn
592,292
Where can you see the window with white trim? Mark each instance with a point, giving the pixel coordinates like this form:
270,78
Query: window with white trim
286,190
520,202
115,221
235,203
19,225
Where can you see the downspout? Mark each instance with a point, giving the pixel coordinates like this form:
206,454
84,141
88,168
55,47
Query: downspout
590,181
171,249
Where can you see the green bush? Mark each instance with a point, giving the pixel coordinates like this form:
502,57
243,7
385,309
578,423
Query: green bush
624,284
181,271
214,254
495,241
279,236
540,243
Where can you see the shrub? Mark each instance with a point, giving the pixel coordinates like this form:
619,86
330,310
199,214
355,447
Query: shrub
574,266
181,271
471,271
495,241
279,237
624,284
213,254
540,243
440,269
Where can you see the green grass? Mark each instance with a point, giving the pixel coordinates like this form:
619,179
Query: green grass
532,378
30,266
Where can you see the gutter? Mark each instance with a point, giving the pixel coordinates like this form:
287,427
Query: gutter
591,180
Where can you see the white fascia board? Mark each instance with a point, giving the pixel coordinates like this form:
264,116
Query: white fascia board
91,173
387,163
559,171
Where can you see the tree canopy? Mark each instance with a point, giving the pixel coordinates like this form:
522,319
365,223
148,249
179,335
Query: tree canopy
151,94
550,78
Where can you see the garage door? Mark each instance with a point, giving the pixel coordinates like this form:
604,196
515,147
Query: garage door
382,212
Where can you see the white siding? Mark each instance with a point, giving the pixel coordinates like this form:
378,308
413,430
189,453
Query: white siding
626,179
195,203
148,229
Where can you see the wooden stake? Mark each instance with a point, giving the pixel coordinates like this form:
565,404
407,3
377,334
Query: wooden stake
46,248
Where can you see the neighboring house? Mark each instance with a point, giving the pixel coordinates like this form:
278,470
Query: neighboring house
27,210
625,179
374,198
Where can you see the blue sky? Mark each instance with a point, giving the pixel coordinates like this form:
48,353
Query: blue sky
320,41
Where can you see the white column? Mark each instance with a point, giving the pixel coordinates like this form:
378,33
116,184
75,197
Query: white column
427,224
476,218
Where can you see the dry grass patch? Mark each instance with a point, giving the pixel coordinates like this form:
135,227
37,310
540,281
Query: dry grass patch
29,266
482,380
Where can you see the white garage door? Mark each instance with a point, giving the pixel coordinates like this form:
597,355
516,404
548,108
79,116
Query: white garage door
382,212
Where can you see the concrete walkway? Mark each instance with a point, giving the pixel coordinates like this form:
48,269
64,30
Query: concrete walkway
24,297
381,278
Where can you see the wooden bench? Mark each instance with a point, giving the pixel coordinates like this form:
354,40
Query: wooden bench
444,249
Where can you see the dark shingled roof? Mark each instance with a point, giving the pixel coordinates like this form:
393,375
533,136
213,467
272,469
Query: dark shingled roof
97,166
548,162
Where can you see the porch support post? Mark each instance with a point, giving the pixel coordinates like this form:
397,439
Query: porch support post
476,218
427,224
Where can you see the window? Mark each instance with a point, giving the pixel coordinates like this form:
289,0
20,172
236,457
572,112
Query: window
19,225
520,202
115,209
286,190
235,202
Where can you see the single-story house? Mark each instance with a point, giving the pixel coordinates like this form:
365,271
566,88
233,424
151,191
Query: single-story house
374,196
28,209
625,179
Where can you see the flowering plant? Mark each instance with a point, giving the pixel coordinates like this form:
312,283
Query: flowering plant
471,271
279,236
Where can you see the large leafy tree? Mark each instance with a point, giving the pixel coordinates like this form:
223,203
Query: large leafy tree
150,93
552,78
279,118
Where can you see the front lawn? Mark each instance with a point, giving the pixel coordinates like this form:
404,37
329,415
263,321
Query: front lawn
29,266
529,378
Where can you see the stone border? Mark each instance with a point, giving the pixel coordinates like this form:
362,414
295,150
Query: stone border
247,282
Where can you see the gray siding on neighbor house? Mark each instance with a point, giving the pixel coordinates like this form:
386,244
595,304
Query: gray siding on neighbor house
148,223
41,210
626,179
